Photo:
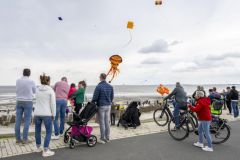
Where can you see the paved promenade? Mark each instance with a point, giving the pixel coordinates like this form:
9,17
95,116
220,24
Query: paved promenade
8,147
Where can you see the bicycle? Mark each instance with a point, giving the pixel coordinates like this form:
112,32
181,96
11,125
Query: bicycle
182,131
163,115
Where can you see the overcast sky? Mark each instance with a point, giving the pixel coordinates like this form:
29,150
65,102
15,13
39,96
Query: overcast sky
191,41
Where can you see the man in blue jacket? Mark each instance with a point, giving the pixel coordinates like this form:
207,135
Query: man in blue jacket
103,97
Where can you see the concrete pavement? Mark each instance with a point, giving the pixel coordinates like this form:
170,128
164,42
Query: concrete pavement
157,146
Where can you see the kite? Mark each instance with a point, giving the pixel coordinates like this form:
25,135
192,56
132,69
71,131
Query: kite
115,61
60,18
158,2
130,26
162,90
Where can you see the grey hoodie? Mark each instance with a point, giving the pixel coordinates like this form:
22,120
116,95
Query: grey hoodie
179,93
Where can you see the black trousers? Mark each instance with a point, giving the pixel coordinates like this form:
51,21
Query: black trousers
229,106
113,117
77,109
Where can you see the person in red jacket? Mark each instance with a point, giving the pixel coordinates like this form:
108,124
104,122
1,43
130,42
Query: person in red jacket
203,111
72,90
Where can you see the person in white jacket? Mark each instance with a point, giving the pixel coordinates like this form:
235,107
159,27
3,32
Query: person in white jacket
45,111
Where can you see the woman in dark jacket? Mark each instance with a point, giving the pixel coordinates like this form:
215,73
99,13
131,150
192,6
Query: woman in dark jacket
203,111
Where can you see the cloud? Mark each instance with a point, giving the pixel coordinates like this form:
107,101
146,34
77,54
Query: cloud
151,61
223,56
159,46
185,66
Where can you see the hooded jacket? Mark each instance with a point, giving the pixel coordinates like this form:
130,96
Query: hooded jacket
180,95
45,101
202,109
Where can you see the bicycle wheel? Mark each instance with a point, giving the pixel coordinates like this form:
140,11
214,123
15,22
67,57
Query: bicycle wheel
220,135
195,120
178,133
161,117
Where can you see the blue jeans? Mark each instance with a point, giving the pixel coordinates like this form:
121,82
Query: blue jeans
23,107
204,129
104,121
235,110
47,120
176,113
61,110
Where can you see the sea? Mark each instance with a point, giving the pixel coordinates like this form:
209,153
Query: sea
7,93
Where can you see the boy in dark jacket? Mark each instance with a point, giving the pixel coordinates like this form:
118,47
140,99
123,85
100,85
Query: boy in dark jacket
234,101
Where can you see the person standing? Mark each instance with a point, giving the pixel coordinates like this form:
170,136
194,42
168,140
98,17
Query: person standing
228,100
203,111
72,90
79,97
180,101
103,97
25,88
61,89
45,111
234,101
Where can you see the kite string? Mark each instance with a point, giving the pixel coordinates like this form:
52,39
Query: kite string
130,40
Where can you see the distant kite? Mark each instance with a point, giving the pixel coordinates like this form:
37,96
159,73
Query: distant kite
158,2
130,26
60,18
162,90
115,61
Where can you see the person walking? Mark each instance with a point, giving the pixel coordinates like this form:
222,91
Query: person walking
79,97
180,101
61,89
203,111
234,96
45,111
25,88
103,97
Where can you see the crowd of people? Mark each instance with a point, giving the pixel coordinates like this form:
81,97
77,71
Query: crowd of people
202,106
51,106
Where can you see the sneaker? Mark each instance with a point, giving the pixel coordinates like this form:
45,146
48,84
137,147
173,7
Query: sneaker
48,153
107,140
55,137
26,141
207,149
101,141
61,135
198,144
38,149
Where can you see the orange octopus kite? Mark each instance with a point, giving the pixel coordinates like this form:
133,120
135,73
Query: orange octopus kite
115,61
162,90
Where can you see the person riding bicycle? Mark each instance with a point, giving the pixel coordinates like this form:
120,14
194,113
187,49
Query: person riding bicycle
180,101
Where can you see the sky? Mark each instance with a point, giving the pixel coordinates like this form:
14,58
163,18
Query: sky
191,41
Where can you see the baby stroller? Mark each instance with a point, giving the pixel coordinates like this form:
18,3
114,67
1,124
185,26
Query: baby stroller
79,131
130,117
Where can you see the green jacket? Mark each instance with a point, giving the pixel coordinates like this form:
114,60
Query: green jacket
79,95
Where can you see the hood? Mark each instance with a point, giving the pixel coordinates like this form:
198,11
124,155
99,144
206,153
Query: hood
205,101
44,88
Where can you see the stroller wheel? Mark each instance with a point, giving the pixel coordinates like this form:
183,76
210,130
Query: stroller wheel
66,138
72,144
92,141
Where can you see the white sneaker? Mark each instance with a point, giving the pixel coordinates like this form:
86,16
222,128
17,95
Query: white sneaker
55,137
198,144
101,141
48,153
61,135
206,148
38,149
